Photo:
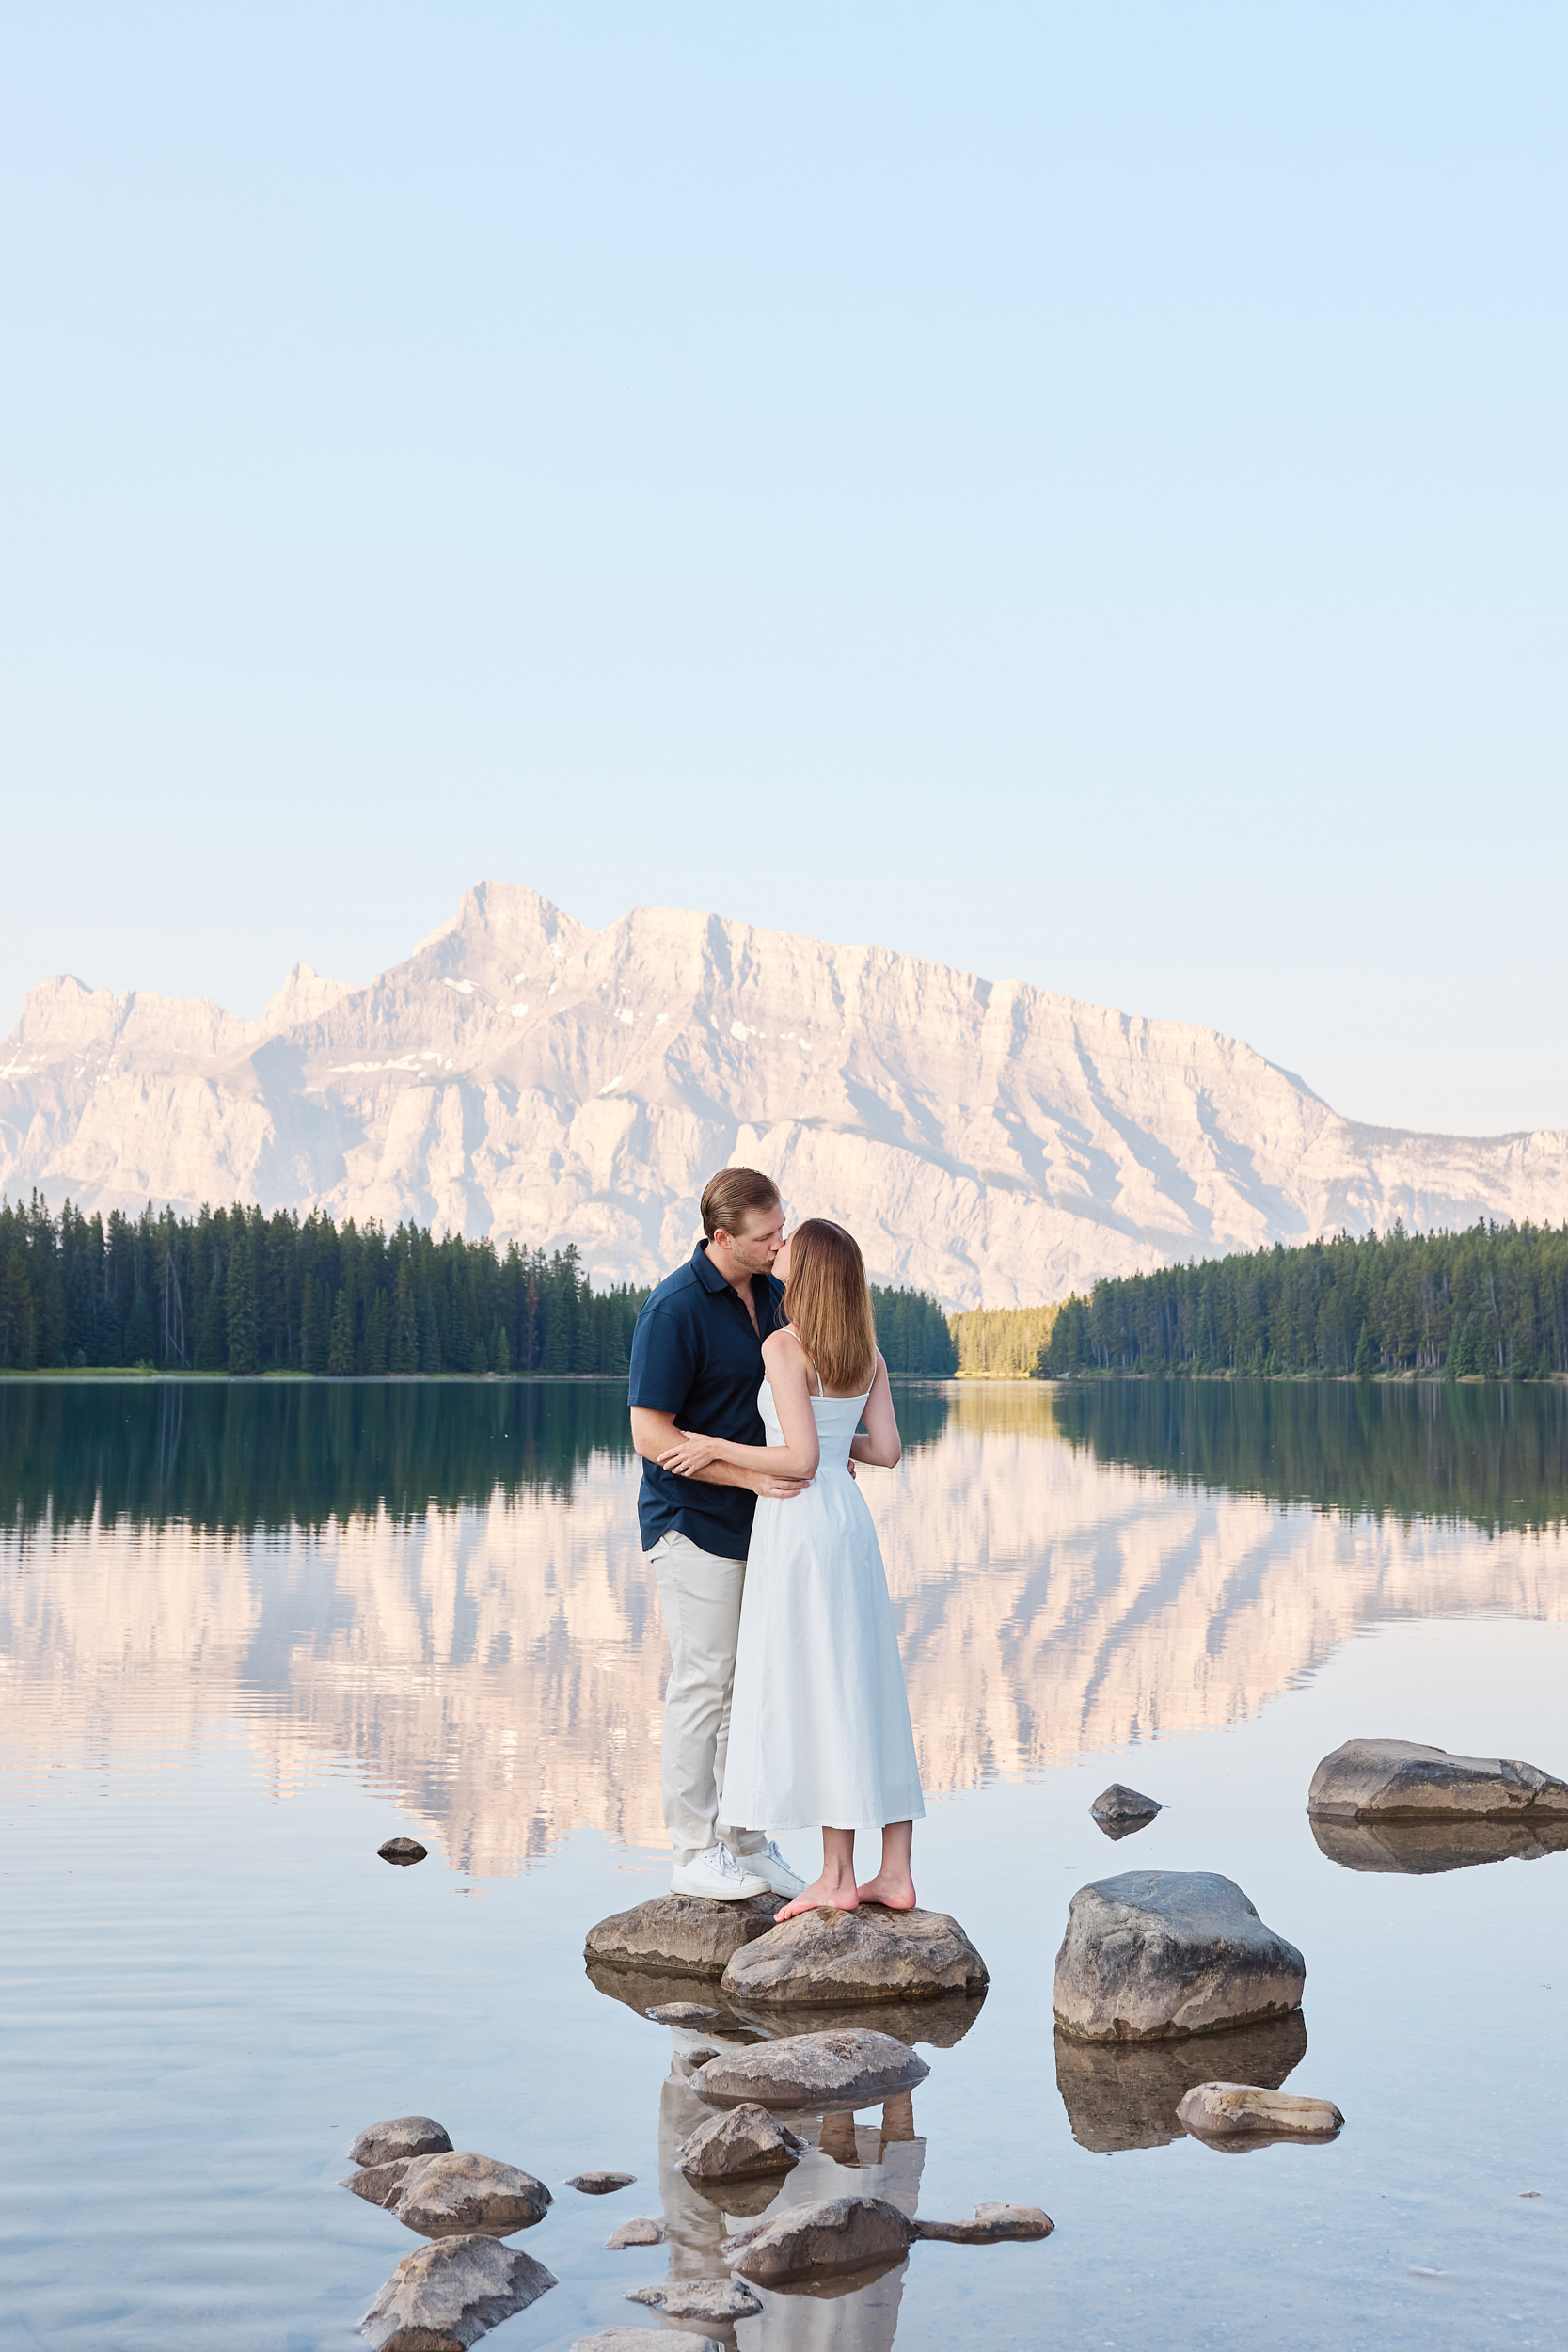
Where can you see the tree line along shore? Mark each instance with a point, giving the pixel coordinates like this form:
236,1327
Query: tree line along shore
242,1291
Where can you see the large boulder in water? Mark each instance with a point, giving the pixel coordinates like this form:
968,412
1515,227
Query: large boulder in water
679,1935
459,2194
837,2234
744,2143
405,2135
1423,1849
1155,1955
445,2296
1395,1780
840,2068
829,1959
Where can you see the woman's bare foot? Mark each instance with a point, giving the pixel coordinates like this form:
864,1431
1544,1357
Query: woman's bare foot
827,1893
892,1889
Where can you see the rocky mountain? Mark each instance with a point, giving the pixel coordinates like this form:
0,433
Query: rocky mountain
524,1076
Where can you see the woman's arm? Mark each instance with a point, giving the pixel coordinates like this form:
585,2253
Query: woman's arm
881,1446
802,1450
654,1435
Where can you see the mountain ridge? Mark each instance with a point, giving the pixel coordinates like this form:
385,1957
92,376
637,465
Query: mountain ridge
523,1075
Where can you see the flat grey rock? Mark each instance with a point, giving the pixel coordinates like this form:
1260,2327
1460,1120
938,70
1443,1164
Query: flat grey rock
683,2013
639,2233
1125,2094
639,2340
402,1850
1157,1954
1248,2110
828,1958
445,2296
1395,1780
723,2299
681,1935
601,2183
1423,1849
839,2233
844,2068
405,2135
458,2194
742,2144
993,2225
1121,1811
380,2184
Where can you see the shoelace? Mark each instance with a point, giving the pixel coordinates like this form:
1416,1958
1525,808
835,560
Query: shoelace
725,1863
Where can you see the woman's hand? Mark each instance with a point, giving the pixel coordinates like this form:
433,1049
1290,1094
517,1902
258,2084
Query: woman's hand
692,1454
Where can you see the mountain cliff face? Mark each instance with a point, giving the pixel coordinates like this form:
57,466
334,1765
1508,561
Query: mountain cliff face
523,1076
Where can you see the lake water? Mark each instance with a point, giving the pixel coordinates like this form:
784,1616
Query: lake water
248,1633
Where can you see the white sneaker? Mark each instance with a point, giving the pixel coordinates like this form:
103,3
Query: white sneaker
769,1864
718,1875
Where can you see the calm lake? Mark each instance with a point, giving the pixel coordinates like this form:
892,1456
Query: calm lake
249,1631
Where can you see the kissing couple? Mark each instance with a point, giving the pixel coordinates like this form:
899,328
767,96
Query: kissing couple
751,1370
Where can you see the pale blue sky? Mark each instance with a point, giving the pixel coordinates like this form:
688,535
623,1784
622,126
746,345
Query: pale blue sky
1076,493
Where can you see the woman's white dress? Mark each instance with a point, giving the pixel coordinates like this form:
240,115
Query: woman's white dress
819,1722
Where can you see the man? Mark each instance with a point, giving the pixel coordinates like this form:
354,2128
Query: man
696,1363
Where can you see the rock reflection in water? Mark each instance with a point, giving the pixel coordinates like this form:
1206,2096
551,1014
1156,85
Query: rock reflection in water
1423,1849
939,2025
1122,2094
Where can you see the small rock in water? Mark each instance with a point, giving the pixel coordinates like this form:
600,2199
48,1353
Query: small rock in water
405,2135
638,2339
698,2299
993,2225
639,2233
1120,1811
402,1850
683,2013
825,1957
839,2233
739,2146
445,2296
1162,1953
380,2184
1236,2110
458,2194
1395,1780
849,2068
600,2184
683,1935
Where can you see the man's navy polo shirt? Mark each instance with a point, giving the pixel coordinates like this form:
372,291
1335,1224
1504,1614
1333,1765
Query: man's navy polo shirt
694,1354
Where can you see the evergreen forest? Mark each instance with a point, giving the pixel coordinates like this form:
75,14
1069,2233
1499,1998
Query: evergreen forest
243,1291
1491,1301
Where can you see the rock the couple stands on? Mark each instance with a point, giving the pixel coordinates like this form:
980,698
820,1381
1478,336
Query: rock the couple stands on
751,1369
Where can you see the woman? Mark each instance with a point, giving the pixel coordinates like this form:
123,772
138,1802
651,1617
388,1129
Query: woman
820,1723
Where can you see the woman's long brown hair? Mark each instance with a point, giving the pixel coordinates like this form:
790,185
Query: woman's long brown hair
829,1304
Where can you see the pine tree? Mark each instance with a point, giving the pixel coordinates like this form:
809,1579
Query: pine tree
314,1328
403,1355
378,1323
339,1345
1363,1364
240,1302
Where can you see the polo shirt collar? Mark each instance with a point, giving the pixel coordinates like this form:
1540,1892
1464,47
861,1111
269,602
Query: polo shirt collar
706,1271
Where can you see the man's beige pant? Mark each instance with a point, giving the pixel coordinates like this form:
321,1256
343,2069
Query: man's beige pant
700,1597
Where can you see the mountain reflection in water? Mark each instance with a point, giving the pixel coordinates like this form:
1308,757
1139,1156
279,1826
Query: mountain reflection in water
440,1583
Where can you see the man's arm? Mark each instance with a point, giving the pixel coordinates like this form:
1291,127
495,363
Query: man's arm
653,1434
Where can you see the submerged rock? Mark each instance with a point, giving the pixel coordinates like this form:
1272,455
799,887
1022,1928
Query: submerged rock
838,2069
741,2145
458,2194
402,1850
639,2233
837,2234
993,2225
683,2013
723,2299
827,1957
380,2184
445,2296
601,2183
405,2135
1159,1953
1422,1849
679,1935
1125,2094
1395,1780
638,2339
1238,2110
1121,1811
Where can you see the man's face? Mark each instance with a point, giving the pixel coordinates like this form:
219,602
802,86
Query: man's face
753,1249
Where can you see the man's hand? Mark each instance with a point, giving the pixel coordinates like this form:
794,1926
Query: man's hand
779,1489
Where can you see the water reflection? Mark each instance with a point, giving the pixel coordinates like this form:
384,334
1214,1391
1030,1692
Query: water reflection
440,1583
1422,1849
1125,2094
